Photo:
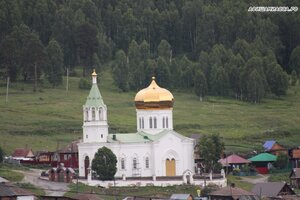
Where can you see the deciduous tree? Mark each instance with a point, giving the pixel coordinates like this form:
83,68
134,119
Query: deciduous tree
55,61
104,164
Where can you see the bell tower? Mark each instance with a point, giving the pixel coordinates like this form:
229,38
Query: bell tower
95,127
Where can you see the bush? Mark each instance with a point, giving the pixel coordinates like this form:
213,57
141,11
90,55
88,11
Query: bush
84,84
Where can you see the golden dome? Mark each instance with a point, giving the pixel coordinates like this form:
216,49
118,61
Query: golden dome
94,73
154,97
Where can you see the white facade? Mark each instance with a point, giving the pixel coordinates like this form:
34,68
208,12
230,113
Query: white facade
155,150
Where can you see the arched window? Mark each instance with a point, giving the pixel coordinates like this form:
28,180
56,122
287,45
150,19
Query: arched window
147,163
122,163
167,122
142,122
86,114
155,122
100,113
134,163
150,122
163,122
93,114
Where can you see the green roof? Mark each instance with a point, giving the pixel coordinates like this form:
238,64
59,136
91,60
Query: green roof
139,136
263,157
94,98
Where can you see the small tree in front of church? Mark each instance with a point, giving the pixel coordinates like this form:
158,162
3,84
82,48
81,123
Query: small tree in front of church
211,147
104,164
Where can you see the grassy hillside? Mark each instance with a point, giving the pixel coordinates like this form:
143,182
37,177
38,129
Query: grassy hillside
51,117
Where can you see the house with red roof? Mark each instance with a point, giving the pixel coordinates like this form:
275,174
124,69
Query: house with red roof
23,154
67,155
233,161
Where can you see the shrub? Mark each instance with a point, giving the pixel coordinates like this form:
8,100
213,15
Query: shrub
84,84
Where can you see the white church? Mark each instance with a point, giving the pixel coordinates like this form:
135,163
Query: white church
155,150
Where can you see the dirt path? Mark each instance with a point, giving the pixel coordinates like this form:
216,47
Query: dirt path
261,179
50,188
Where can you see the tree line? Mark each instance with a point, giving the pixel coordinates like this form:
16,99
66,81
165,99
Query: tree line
211,47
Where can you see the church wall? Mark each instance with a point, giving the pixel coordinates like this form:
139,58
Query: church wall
159,114
95,132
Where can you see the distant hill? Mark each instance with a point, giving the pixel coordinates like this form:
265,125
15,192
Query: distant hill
50,118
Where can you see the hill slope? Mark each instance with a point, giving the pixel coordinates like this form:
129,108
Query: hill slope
51,118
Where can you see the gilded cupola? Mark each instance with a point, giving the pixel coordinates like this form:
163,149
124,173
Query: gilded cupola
154,97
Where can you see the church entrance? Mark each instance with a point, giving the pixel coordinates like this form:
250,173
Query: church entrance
86,166
170,167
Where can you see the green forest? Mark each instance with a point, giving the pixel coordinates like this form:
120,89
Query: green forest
210,47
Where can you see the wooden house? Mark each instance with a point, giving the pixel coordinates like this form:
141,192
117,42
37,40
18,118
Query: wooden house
272,190
23,154
232,193
274,148
67,155
12,192
295,178
181,197
295,157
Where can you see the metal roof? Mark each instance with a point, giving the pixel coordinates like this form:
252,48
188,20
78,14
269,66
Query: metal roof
263,157
268,144
269,189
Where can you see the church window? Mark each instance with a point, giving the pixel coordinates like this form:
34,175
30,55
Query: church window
86,136
167,122
101,135
150,122
142,122
134,163
122,163
86,114
100,114
155,122
93,114
163,122
147,163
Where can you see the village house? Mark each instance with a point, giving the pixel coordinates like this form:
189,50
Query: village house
272,190
295,178
274,147
23,154
9,191
232,193
295,157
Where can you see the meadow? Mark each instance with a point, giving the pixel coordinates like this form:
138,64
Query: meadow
52,117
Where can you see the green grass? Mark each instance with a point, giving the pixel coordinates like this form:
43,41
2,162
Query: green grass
279,177
8,173
28,186
239,182
148,191
50,118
